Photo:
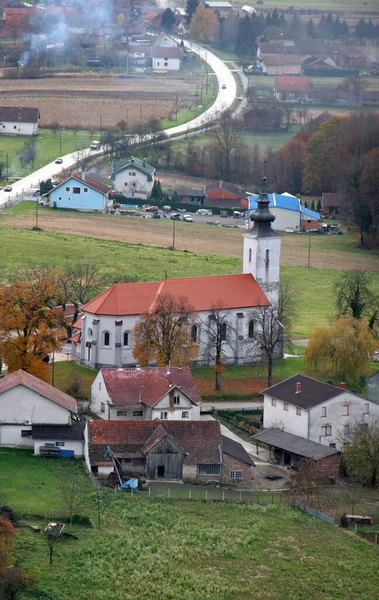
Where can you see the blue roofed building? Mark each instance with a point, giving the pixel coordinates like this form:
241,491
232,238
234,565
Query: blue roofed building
289,212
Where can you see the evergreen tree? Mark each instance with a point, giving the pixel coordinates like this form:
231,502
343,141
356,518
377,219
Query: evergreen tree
191,7
246,36
319,206
175,198
45,187
312,205
156,192
310,29
168,19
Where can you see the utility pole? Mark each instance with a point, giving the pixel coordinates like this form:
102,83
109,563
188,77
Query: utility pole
176,107
53,369
7,167
37,204
173,234
201,91
309,250
101,124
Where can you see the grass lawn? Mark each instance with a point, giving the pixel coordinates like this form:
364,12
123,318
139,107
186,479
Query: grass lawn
181,549
65,372
48,145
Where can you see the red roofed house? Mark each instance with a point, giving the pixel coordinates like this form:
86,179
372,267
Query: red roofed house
292,89
223,193
79,192
108,320
281,64
26,400
193,450
350,58
150,393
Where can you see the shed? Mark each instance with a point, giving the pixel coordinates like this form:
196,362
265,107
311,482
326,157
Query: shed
69,437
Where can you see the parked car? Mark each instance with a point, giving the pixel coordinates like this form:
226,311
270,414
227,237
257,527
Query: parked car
95,145
152,209
187,218
8,188
156,216
175,217
166,208
205,212
58,161
223,87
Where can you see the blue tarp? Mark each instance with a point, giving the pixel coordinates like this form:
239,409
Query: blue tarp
130,484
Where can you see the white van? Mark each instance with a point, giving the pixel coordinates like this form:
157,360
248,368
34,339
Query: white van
95,145
205,212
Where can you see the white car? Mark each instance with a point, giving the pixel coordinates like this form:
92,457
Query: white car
187,218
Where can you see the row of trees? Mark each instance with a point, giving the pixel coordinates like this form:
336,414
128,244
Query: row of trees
327,28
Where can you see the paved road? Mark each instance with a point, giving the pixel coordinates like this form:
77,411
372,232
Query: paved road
223,101
231,405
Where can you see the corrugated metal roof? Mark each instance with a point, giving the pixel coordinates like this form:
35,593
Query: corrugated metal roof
309,213
286,201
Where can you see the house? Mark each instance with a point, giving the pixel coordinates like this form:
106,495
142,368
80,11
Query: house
67,437
166,58
292,89
134,179
289,212
314,410
182,450
16,120
372,387
114,313
289,449
165,41
188,196
336,204
79,192
315,124
281,64
263,117
148,393
224,194
269,48
370,98
319,64
21,12
25,401
350,57
153,19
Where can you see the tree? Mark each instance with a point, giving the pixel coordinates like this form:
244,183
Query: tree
360,443
224,145
45,187
268,339
164,334
28,153
157,192
69,490
6,540
354,296
191,7
344,348
288,303
14,583
218,331
168,19
13,27
28,326
307,481
205,25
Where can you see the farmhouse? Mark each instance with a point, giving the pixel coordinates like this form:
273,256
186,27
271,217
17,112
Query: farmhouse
134,179
187,195
225,194
19,120
350,58
281,64
166,58
25,401
289,212
189,450
336,205
292,89
149,393
314,410
104,333
165,41
79,192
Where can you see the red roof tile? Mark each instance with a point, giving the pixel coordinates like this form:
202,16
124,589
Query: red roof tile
288,83
97,185
41,387
203,293
126,386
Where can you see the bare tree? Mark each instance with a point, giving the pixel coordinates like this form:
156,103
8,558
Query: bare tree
306,482
268,340
354,296
226,138
69,490
218,332
360,443
288,303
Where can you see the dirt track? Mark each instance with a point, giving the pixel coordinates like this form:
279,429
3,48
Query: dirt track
201,238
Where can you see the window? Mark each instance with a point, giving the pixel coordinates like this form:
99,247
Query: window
185,414
177,399
26,433
326,430
166,64
14,126
194,333
67,189
223,332
363,427
236,474
332,446
99,386
298,411
94,469
137,413
89,332
323,411
345,410
273,401
85,189
163,416
250,254
209,469
102,407
106,338
251,329
267,257
346,429
125,339
60,198
122,413
76,190
158,63
286,406
59,444
366,409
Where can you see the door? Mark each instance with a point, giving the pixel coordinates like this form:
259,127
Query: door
160,471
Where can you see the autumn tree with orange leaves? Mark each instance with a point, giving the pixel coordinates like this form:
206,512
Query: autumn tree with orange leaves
165,334
13,580
28,326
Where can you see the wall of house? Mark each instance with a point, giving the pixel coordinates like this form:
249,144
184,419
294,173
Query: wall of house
175,413
64,197
166,64
372,387
287,420
167,456
330,466
132,183
11,435
20,404
76,445
17,128
336,419
229,463
285,219
281,69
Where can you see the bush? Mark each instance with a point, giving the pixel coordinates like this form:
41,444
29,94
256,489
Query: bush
82,520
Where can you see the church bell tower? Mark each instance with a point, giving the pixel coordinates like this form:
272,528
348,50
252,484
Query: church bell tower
261,248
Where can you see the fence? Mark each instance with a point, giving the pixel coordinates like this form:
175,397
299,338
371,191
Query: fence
314,512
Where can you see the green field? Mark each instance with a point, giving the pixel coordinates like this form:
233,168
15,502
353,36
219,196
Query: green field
49,145
178,549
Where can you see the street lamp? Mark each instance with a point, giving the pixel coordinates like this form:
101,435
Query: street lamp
60,140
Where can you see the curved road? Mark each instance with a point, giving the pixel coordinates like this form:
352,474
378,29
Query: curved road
223,102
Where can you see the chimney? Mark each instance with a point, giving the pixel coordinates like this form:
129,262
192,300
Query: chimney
144,162
298,387
343,385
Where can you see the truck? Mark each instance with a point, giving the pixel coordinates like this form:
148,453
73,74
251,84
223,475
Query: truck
205,212
95,145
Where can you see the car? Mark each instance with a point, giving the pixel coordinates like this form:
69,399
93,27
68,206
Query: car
187,218
175,217
156,216
152,209
58,161
223,87
8,188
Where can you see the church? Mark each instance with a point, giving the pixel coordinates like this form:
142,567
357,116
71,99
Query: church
104,334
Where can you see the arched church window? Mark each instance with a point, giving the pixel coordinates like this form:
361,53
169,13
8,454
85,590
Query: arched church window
125,339
251,329
194,333
89,332
223,332
267,259
106,338
250,254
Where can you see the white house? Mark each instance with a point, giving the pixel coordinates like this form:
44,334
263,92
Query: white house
25,401
19,120
314,410
166,58
134,179
149,393
105,336
79,192
165,41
